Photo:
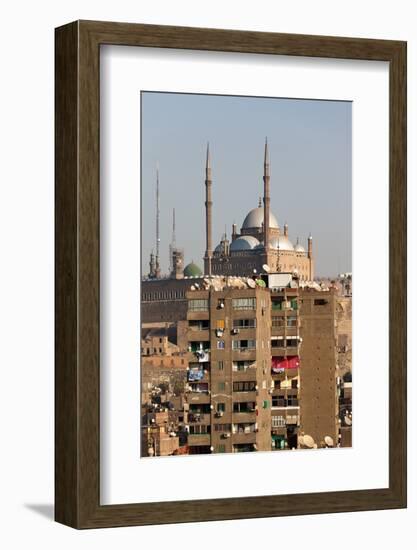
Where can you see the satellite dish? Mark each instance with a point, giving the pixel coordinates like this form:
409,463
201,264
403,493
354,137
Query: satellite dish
348,421
251,283
192,287
301,440
329,441
308,442
266,268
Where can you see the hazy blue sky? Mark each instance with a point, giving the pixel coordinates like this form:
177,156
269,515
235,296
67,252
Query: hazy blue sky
310,151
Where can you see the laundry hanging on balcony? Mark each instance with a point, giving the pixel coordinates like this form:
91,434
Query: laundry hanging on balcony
195,373
279,364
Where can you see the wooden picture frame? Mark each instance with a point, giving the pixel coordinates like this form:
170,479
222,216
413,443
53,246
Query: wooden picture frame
77,404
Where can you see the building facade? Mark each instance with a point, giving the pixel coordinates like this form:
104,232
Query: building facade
229,377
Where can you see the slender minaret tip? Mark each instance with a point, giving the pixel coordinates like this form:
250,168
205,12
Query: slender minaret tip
208,161
266,157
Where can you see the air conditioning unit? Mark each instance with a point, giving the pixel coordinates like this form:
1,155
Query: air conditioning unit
219,414
226,435
235,331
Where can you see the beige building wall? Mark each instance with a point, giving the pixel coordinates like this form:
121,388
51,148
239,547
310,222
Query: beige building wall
318,390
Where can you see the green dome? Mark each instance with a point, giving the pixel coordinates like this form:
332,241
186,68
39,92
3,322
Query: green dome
192,270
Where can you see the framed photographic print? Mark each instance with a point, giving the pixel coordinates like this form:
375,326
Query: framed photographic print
230,274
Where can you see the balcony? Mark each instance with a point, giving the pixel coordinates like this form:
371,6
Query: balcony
200,398
201,335
199,439
199,418
245,375
198,315
244,396
244,417
244,354
243,437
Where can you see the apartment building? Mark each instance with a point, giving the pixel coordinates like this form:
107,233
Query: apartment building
285,368
229,379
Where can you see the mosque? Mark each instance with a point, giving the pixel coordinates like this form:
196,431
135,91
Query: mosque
257,244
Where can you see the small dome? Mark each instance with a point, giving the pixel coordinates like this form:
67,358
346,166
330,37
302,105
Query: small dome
192,270
298,247
219,248
281,242
255,218
246,242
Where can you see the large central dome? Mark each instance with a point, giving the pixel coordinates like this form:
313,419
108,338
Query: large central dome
255,218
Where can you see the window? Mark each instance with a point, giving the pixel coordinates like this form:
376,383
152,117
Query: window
199,429
199,325
292,400
222,427
221,407
246,406
242,366
265,404
320,302
292,321
198,305
244,386
294,383
278,322
244,303
222,386
278,421
278,401
221,448
244,323
243,344
220,344
220,365
276,305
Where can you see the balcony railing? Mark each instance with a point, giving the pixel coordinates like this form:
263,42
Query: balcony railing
199,418
199,439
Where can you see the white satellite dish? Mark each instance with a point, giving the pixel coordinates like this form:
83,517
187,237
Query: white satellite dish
266,268
348,421
301,440
251,283
308,442
329,441
192,287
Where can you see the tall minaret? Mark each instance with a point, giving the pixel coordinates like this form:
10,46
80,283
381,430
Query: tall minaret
267,198
209,248
158,240
173,244
310,246
310,257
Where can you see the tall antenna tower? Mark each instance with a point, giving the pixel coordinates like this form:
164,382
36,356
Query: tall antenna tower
158,240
